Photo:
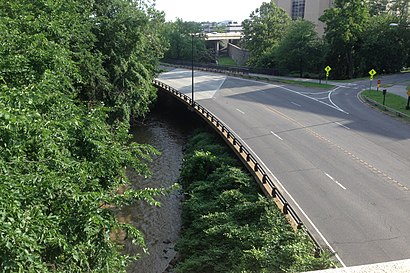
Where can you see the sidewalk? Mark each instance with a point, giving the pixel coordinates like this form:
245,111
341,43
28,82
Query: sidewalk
398,90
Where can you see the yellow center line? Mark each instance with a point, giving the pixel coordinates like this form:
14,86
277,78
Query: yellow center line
362,162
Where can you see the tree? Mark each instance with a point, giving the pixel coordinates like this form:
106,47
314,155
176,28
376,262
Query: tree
179,37
378,7
263,31
345,23
401,9
300,49
127,37
61,163
384,48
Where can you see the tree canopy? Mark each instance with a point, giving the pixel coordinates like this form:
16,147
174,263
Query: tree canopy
300,49
359,36
71,75
263,30
183,37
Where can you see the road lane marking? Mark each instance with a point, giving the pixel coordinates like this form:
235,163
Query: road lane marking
296,104
276,135
336,255
334,180
344,126
332,105
242,112
351,155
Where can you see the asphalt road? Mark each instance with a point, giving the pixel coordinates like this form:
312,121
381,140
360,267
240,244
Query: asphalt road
344,166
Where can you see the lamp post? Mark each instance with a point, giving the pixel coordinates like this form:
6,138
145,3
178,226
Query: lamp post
192,67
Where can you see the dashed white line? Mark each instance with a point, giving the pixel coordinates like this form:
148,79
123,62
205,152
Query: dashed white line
294,103
334,180
242,112
344,126
276,135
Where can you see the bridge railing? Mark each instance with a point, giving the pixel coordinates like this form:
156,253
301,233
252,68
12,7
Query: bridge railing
216,68
254,166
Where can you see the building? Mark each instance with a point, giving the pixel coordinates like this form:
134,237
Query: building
222,27
309,10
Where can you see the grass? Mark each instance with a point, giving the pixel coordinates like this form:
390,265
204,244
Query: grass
393,101
226,61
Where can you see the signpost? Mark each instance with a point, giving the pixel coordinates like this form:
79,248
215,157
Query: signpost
408,100
327,69
384,96
372,73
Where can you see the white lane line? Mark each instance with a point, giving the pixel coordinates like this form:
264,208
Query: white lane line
329,105
242,112
290,196
330,99
344,126
296,104
334,180
276,135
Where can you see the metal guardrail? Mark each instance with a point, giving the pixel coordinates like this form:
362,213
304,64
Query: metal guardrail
234,70
266,183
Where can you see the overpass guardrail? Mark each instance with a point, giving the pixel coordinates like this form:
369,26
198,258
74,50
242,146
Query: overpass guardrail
250,161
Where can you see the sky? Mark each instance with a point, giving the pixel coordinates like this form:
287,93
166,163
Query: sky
208,10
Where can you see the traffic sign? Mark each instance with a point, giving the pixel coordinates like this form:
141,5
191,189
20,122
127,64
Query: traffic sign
372,73
327,69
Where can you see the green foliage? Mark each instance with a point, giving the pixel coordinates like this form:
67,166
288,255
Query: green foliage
61,164
358,37
262,32
393,101
378,7
383,47
300,49
226,61
345,23
228,226
179,37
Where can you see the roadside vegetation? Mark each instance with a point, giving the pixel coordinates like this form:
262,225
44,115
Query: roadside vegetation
228,226
72,75
393,101
226,61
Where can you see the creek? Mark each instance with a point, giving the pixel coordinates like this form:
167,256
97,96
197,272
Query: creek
167,128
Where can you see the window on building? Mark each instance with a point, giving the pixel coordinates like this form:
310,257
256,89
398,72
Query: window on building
298,9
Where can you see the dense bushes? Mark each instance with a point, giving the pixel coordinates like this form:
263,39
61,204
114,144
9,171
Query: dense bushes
228,226
62,159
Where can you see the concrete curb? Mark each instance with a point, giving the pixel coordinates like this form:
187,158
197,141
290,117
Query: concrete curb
378,105
402,266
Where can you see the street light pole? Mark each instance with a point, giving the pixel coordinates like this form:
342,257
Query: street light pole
192,67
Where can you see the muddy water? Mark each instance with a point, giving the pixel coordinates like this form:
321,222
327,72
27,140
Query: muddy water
167,130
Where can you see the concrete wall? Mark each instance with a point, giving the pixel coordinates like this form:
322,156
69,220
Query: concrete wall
313,10
239,55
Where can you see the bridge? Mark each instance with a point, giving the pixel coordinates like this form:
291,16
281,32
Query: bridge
215,36
329,161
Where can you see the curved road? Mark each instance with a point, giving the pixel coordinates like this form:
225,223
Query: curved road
344,166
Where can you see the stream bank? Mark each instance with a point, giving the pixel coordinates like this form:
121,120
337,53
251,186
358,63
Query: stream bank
167,128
